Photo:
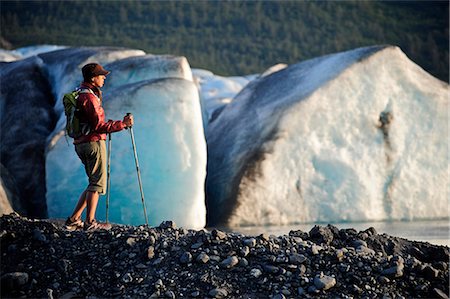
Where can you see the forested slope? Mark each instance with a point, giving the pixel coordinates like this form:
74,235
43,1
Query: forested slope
236,37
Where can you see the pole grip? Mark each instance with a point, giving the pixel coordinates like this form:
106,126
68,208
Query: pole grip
129,114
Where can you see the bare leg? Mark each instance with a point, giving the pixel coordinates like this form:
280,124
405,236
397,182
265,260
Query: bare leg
79,208
92,201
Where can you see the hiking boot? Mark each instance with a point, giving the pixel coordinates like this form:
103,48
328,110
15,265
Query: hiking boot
74,224
94,225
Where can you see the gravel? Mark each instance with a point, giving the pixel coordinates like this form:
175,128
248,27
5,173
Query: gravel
40,259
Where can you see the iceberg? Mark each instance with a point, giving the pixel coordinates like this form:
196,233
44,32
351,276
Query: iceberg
354,136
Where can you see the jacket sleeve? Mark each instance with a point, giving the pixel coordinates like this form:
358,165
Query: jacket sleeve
96,117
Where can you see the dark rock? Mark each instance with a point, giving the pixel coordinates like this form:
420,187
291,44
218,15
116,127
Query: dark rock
324,282
297,258
383,279
202,258
167,224
243,262
145,262
245,251
14,280
251,242
299,233
321,234
271,269
430,272
186,258
440,294
371,231
279,296
170,294
255,273
229,262
38,236
218,293
358,243
218,234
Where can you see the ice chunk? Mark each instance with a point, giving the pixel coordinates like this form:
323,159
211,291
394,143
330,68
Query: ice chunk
354,136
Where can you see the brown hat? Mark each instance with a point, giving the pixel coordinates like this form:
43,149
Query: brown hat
92,70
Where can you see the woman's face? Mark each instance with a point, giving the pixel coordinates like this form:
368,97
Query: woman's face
99,80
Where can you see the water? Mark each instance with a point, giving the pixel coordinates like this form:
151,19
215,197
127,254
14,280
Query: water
433,231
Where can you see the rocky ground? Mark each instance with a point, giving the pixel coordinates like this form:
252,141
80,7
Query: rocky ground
40,259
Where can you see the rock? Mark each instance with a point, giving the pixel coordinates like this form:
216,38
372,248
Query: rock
202,258
197,245
279,296
131,241
324,282
383,279
371,231
430,272
218,293
297,258
439,293
365,250
339,254
264,237
229,262
163,268
245,251
358,243
159,284
315,249
250,242
321,234
38,236
271,269
243,262
394,271
300,234
186,258
167,224
396,267
255,272
127,278
169,294
218,234
13,280
150,252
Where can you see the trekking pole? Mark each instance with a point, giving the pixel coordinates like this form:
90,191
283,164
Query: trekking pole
138,172
109,176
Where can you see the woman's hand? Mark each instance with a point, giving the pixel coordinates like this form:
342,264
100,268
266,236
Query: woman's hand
128,120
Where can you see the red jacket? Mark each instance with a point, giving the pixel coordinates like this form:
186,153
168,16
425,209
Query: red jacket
91,112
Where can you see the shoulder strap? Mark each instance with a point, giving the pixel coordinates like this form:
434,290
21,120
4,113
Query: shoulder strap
88,90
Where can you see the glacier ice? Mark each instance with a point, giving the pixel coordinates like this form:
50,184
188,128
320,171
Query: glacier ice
216,91
353,136
26,119
172,157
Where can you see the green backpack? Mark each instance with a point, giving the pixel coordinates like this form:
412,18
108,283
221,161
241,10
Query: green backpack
74,128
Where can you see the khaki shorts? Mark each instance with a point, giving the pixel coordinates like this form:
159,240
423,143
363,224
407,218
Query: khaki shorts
93,156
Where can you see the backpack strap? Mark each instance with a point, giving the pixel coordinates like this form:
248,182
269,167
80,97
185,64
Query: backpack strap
88,90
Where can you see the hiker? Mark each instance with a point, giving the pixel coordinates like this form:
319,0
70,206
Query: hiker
91,148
